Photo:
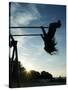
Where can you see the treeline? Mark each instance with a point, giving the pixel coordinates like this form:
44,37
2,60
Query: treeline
34,75
21,73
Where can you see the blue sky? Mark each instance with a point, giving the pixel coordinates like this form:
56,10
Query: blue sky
31,49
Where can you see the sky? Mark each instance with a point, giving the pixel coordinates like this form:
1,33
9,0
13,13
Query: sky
31,51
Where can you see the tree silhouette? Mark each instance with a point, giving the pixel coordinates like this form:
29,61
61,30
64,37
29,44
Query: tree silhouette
34,75
46,75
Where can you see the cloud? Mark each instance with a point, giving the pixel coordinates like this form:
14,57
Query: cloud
23,14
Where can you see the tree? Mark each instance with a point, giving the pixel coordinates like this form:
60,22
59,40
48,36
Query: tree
46,75
34,74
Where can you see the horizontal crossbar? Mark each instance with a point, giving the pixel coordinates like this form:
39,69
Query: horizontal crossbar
28,35
28,27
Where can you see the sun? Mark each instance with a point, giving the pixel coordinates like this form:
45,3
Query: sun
28,66
28,69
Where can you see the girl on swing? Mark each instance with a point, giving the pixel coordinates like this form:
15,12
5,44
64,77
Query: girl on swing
48,37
